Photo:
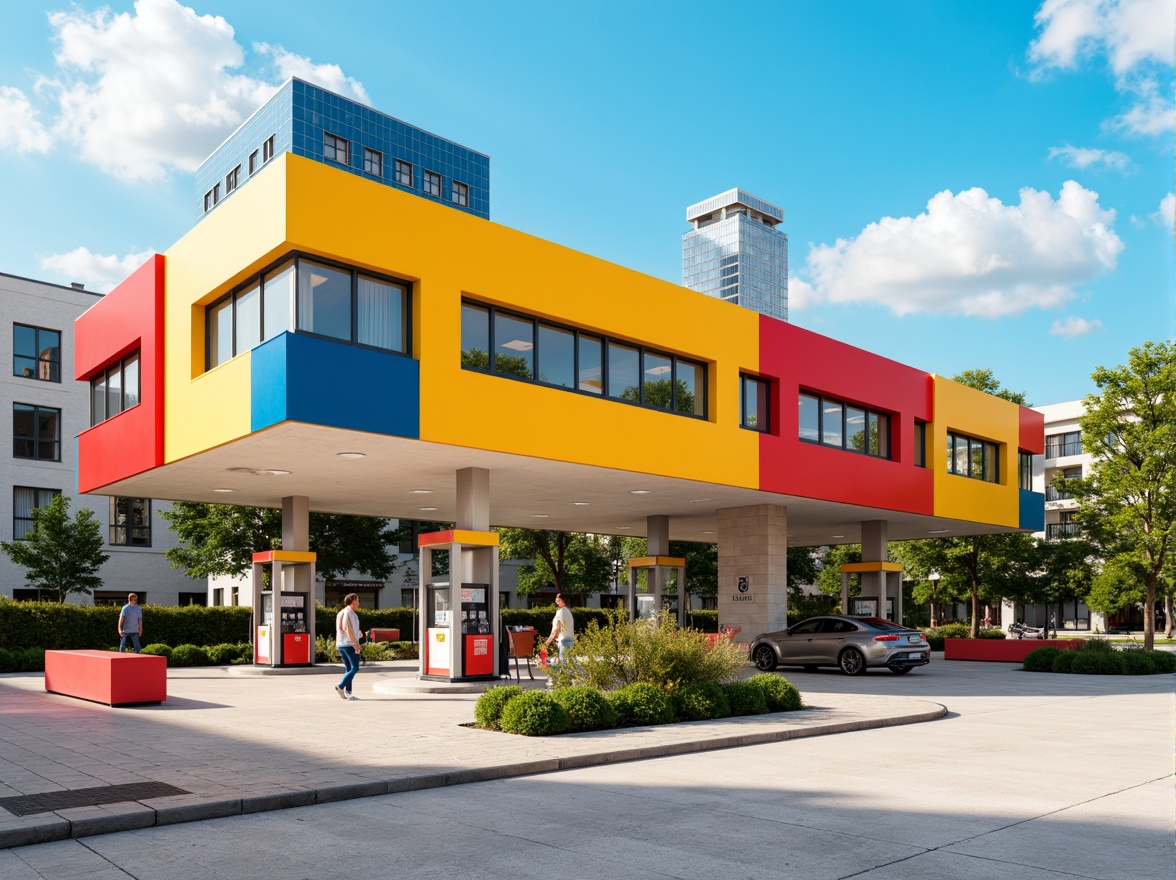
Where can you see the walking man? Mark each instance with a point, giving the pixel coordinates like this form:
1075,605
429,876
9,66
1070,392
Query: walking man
347,642
561,628
130,623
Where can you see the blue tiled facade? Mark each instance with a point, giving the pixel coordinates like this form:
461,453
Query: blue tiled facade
298,116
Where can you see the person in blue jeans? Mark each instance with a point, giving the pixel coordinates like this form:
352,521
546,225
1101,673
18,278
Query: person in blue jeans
347,642
130,623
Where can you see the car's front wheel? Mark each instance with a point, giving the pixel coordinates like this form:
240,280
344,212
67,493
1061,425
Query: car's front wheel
852,662
764,658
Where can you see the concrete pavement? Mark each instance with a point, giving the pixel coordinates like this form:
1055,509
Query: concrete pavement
1026,776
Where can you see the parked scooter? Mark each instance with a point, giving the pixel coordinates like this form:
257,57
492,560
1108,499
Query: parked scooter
1021,631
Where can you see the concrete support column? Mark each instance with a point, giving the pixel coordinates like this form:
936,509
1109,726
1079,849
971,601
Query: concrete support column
657,543
874,535
473,499
296,536
753,568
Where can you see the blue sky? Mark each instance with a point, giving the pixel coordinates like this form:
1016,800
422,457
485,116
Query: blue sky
964,184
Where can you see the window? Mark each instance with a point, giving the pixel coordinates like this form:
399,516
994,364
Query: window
253,162
753,407
1025,471
1058,445
193,599
843,425
1065,527
115,389
336,149
232,179
309,296
208,201
36,432
215,194
115,598
373,162
130,522
218,597
26,499
920,444
403,173
460,194
969,457
267,149
36,353
1053,493
432,184
519,346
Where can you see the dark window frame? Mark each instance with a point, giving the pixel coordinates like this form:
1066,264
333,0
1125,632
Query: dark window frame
232,180
1064,444
459,194
267,149
920,443
36,355
1025,470
35,439
27,521
298,257
404,169
428,179
373,162
844,406
953,436
605,340
124,506
119,367
335,140
253,162
765,386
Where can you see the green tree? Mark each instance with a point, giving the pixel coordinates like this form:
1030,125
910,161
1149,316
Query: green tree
571,562
60,555
1127,504
220,539
986,381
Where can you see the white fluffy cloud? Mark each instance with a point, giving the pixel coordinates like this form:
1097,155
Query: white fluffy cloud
20,130
1135,36
147,92
1086,157
1074,326
1167,212
97,271
969,254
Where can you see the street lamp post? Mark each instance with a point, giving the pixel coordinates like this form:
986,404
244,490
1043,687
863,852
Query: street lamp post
933,576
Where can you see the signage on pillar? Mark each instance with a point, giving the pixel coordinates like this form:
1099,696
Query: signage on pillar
743,585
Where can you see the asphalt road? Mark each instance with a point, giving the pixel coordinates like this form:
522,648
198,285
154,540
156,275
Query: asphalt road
1028,776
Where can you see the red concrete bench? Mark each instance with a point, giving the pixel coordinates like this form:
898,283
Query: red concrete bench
384,635
1001,650
107,677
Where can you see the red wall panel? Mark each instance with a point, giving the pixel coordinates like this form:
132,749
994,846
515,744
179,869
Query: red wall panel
797,359
1032,431
129,317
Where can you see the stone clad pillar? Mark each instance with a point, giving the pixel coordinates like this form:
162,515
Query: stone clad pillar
296,536
753,569
874,535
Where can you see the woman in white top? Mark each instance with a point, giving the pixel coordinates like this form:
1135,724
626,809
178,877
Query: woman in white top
347,641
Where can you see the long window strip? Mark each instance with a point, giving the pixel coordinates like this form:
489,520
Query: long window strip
837,434
680,393
125,374
962,457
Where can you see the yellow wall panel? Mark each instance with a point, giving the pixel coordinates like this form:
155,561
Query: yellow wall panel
453,254
242,235
967,411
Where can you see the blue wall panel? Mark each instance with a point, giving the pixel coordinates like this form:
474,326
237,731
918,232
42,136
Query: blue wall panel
1032,511
304,379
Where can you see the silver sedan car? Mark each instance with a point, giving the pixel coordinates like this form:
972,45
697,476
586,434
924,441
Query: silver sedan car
852,644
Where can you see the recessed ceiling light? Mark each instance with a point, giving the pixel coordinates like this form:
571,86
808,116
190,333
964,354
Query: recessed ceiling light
837,536
428,508
224,490
623,528
276,472
581,503
939,531
640,491
420,492
350,454
259,472
540,515
698,500
708,531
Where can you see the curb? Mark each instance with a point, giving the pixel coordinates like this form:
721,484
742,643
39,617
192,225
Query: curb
90,821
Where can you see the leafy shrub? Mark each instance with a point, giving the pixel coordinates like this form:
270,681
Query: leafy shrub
1163,661
157,648
1137,663
1063,661
7,661
535,713
587,708
701,701
223,654
657,652
993,633
642,703
745,698
1097,662
1102,646
1041,659
779,693
488,709
324,649
188,655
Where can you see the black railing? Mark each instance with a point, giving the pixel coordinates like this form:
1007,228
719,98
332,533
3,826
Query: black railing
1061,531
1052,493
1057,450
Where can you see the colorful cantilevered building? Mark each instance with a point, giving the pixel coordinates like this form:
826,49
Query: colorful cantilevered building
333,334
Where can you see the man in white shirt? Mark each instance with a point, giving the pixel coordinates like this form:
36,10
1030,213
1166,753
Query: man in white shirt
561,628
347,643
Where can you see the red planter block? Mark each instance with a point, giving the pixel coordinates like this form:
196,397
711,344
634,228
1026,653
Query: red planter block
1001,650
107,677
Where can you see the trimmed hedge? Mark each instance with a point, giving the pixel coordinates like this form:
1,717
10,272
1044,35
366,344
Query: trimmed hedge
1063,662
61,627
936,635
745,698
22,660
701,701
1097,663
1100,657
189,655
1137,663
488,709
1164,661
1040,659
586,707
781,695
642,704
535,713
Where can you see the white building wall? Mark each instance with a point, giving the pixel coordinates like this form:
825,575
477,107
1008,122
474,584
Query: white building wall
129,569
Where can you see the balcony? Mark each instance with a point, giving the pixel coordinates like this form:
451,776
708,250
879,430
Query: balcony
1052,493
1061,450
1061,531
